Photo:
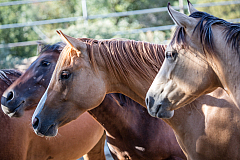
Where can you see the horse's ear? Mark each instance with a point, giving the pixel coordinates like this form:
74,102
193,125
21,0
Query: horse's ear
181,19
39,47
191,9
73,42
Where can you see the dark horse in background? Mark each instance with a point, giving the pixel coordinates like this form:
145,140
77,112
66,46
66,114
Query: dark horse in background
19,142
131,132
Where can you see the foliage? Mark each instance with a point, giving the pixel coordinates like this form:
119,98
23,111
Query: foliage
224,12
6,60
96,28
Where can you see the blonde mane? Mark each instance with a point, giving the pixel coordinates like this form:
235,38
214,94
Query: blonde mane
66,58
125,59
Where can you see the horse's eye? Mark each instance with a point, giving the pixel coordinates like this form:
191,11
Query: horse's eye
45,63
65,74
171,55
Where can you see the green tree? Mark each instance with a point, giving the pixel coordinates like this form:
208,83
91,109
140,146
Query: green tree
96,28
225,12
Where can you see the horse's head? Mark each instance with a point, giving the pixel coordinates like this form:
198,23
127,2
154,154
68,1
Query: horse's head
75,87
26,92
185,73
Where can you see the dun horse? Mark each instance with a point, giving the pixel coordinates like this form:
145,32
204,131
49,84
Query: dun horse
19,142
87,70
203,55
130,129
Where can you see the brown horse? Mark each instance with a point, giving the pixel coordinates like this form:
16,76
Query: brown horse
82,76
128,136
132,133
203,55
18,141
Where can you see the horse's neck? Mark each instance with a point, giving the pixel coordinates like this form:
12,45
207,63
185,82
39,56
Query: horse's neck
188,118
184,118
226,66
135,87
230,83
135,91
200,120
116,117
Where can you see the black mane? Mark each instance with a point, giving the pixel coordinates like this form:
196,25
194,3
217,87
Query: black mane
232,32
5,75
123,99
57,47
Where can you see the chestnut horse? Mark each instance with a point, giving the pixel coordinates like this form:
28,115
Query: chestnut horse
128,136
203,55
88,69
18,141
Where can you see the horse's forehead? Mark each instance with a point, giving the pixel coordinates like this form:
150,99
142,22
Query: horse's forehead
50,54
65,60
67,52
170,47
65,55
173,47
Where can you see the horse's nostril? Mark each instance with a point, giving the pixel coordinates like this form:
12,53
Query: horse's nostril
158,106
150,102
35,123
10,96
146,101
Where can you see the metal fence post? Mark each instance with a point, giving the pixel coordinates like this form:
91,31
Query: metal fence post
181,6
84,9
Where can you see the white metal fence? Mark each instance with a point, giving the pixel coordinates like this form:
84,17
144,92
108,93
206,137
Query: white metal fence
87,17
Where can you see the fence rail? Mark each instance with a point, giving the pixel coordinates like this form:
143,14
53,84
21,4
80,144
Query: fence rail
13,3
19,44
134,31
118,14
